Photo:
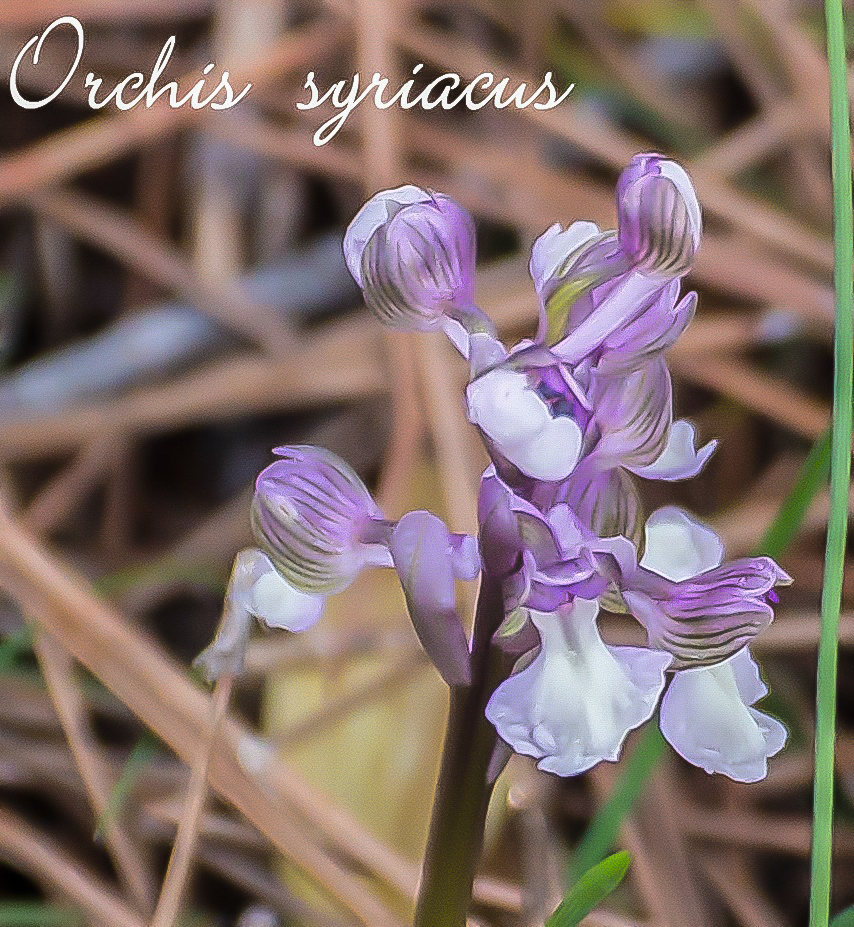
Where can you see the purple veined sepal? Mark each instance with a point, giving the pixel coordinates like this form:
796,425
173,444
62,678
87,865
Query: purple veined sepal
606,502
707,618
633,412
574,703
659,219
649,334
412,251
316,520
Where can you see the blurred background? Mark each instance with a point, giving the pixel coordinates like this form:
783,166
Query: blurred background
174,303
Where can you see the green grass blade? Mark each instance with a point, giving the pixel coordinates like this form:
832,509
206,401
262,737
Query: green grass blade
145,750
844,918
37,914
840,468
812,477
603,830
590,890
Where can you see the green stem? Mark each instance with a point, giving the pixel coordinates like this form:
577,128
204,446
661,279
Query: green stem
462,793
840,470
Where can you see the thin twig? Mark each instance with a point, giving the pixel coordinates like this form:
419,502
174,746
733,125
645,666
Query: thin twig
36,855
56,665
178,870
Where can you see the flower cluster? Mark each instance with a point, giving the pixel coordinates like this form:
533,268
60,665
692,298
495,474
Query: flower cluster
569,419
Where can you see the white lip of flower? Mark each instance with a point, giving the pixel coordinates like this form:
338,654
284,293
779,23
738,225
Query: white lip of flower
706,716
574,705
258,587
706,713
502,404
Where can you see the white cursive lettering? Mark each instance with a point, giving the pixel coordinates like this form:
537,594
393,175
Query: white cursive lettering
37,41
346,96
221,97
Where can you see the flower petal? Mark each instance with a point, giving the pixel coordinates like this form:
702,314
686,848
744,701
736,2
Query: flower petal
519,424
575,703
593,321
379,210
653,331
679,460
678,546
552,453
555,248
745,669
634,414
265,593
660,224
606,502
423,554
707,718
707,618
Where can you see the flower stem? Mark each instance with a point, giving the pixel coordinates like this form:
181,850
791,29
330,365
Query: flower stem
840,470
462,793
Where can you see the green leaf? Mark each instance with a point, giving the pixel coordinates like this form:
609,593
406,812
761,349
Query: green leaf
844,918
590,890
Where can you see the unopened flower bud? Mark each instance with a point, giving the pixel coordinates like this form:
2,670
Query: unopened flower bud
659,216
412,252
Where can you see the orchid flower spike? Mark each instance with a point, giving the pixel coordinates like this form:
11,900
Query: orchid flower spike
569,420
